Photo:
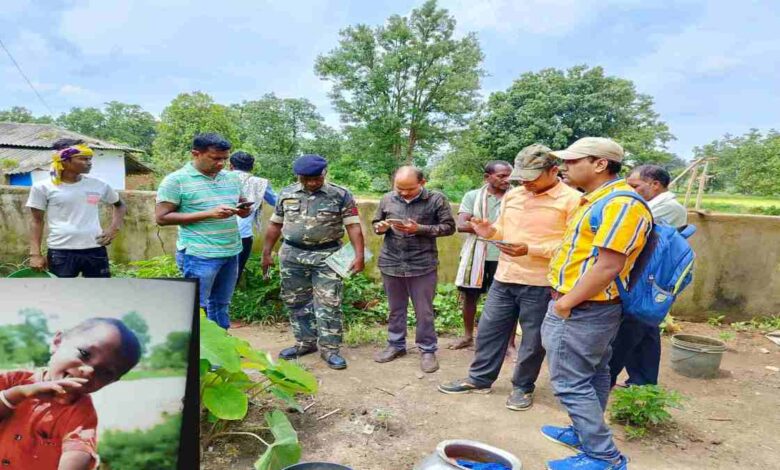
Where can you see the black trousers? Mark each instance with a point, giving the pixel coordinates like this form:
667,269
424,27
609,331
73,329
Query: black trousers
90,262
637,347
246,250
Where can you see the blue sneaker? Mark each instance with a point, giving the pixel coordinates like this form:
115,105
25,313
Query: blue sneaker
566,436
583,462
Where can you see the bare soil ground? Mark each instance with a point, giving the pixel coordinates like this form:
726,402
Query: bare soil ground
390,416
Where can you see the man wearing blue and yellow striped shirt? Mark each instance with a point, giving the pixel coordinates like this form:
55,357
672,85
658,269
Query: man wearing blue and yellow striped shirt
585,313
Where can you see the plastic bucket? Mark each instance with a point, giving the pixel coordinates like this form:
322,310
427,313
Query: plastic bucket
697,357
447,452
30,273
316,466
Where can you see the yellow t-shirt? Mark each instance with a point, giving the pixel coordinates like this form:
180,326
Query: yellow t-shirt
625,225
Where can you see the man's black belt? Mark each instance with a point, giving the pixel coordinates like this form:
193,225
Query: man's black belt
320,247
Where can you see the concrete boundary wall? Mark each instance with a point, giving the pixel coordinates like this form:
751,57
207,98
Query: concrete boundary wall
737,271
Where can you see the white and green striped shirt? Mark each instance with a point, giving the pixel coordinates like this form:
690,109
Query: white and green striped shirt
192,191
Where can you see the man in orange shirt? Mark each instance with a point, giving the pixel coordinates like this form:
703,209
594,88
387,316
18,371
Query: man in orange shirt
528,231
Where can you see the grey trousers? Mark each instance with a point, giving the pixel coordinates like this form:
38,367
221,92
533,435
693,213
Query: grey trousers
421,290
506,304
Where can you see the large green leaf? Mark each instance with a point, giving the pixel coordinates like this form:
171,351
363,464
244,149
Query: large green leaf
287,398
254,359
292,377
226,401
218,347
285,449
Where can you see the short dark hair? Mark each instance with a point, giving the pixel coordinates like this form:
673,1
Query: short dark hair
242,161
64,143
613,167
129,346
493,165
653,173
203,142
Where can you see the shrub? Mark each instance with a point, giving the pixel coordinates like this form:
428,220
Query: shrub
150,449
643,407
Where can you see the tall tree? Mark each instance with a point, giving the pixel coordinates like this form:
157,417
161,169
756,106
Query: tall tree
187,115
556,107
87,121
23,115
136,322
747,164
276,130
404,84
129,124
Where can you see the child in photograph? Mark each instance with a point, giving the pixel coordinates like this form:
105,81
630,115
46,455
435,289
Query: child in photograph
47,420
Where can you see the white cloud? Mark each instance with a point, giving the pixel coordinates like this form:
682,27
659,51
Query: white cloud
545,17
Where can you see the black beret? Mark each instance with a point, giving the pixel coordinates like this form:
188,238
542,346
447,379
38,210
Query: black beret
309,165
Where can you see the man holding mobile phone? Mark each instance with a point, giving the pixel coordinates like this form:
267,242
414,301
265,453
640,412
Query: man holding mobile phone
202,200
531,225
411,218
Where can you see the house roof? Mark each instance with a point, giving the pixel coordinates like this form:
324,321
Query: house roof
29,147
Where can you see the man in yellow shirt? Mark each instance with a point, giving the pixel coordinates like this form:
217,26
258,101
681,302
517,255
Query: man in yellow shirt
584,315
530,226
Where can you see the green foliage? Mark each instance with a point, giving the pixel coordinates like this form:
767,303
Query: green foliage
187,115
640,408
138,325
359,334
403,85
668,326
25,344
163,266
23,115
258,299
555,108
748,164
715,320
726,335
224,389
119,123
172,354
447,308
764,324
150,449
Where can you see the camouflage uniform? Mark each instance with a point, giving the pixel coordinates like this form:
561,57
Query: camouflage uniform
313,225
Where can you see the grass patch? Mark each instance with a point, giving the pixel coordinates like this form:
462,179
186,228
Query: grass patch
154,374
735,203
764,324
643,408
358,334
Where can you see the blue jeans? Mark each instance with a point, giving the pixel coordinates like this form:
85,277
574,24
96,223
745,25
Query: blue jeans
578,351
216,279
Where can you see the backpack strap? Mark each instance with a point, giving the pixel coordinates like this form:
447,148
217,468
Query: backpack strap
597,210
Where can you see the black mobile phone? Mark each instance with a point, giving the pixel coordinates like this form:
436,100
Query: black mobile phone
244,205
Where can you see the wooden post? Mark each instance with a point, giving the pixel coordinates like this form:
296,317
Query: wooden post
679,177
694,172
702,182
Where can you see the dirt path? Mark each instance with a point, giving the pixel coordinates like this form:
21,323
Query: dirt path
391,415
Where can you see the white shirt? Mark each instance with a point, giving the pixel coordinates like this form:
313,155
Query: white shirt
665,208
72,211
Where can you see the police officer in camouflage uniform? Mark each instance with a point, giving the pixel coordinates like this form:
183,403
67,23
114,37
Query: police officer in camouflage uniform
312,215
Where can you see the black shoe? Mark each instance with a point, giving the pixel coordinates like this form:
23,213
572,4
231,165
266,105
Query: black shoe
462,386
333,359
520,400
297,351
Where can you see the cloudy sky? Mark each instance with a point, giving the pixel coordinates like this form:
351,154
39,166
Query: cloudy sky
710,65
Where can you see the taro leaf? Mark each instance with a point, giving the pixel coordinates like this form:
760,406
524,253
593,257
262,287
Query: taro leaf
226,401
255,359
204,367
292,378
285,450
212,418
241,380
218,347
287,398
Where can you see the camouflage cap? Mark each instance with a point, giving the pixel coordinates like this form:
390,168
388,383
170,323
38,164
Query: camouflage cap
531,162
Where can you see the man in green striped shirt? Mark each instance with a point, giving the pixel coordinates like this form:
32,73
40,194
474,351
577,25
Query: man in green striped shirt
202,200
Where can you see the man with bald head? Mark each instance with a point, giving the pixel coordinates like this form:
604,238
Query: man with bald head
411,218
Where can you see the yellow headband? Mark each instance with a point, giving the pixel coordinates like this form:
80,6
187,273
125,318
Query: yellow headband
66,154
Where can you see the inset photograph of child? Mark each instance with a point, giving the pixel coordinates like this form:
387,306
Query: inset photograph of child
93,372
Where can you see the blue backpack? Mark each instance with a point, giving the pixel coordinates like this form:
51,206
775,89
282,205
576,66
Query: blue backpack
660,273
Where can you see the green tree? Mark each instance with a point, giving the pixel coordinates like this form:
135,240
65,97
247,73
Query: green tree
129,124
23,115
556,107
276,130
137,323
403,85
172,354
87,121
747,164
187,115
26,343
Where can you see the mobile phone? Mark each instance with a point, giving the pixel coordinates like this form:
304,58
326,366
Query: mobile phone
245,205
396,221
